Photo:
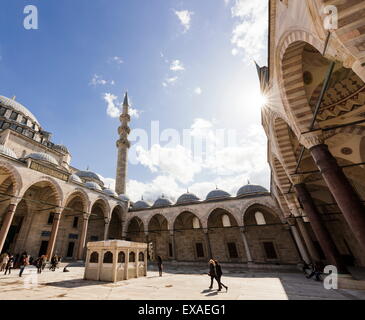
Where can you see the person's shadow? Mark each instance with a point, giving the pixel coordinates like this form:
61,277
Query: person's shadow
210,292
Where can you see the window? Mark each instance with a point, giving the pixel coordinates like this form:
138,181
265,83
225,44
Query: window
199,250
170,250
225,221
13,116
94,257
270,250
19,129
141,256
75,222
2,111
260,219
196,223
232,250
73,236
121,257
50,218
108,257
132,257
6,125
24,120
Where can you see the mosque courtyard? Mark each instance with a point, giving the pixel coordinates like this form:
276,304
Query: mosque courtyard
186,284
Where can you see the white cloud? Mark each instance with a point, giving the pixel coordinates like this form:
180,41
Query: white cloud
185,18
169,81
198,91
98,80
116,59
114,107
177,65
250,34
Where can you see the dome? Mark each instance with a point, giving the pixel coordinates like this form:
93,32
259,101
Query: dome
92,185
110,192
61,147
217,194
16,106
124,197
75,178
187,198
250,189
42,157
162,202
141,204
7,151
88,174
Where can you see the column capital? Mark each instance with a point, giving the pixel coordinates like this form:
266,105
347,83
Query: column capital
297,178
291,221
312,139
243,229
172,232
57,216
106,220
86,216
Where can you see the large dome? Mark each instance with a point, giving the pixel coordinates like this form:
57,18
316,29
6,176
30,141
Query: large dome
110,192
141,204
16,106
250,189
75,178
187,198
88,174
7,151
124,197
162,202
92,185
42,157
217,194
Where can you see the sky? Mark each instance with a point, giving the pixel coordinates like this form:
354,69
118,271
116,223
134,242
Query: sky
188,67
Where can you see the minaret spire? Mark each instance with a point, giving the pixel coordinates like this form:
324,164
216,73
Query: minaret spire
123,145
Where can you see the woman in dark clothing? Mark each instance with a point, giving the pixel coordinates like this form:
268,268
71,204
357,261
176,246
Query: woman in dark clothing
213,274
219,275
159,265
10,264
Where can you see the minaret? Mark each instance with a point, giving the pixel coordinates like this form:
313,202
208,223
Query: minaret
123,146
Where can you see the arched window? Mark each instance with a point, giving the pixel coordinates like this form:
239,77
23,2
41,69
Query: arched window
225,221
260,219
196,223
141,256
108,257
132,257
121,257
94,257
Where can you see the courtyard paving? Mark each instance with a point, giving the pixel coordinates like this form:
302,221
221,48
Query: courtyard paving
190,285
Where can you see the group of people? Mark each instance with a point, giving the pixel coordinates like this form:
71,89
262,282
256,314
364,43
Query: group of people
315,269
9,262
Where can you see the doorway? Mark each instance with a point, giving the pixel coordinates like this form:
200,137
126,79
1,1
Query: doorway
43,248
70,249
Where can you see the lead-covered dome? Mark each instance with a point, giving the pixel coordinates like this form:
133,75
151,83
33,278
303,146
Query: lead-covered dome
124,197
42,157
162,202
16,106
187,198
250,189
141,204
88,174
110,192
92,185
75,178
217,194
6,151
61,147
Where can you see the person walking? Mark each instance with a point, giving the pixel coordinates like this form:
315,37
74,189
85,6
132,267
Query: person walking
317,271
24,261
38,264
3,261
44,261
219,272
10,264
213,274
159,265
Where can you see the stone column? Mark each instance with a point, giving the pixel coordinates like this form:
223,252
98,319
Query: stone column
106,228
82,243
126,265
302,250
53,236
206,233
7,220
313,252
322,234
245,244
172,239
346,198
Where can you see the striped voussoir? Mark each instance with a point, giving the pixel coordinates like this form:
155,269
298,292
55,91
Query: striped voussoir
281,176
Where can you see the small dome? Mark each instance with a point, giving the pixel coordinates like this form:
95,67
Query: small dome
88,174
7,151
162,202
92,185
250,189
61,148
16,106
42,157
217,194
75,178
110,192
187,198
141,204
124,197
